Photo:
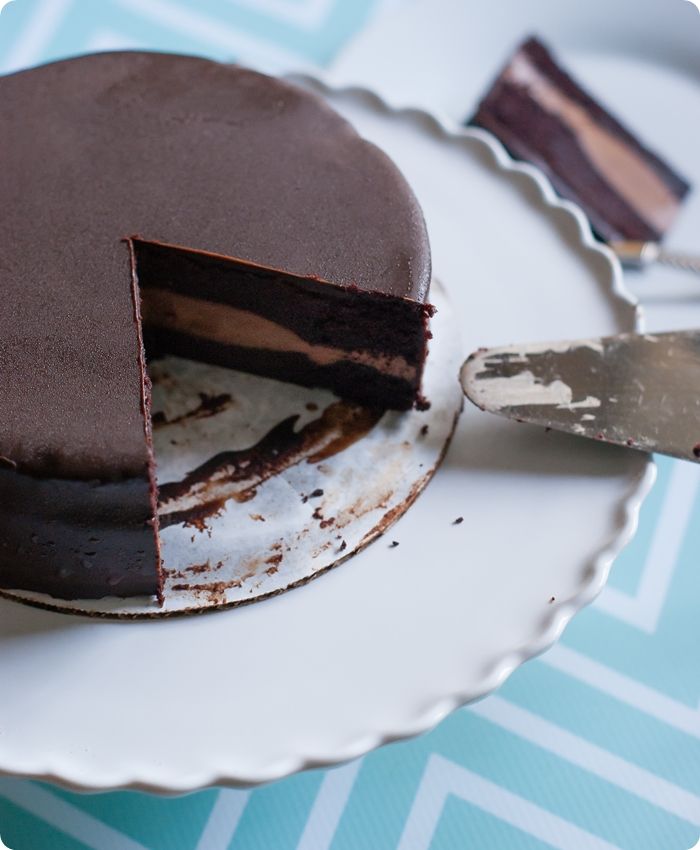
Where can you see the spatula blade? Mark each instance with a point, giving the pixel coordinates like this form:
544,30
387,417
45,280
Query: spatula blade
636,390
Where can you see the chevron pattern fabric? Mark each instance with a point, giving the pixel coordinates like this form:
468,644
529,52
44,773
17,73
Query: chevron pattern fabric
594,746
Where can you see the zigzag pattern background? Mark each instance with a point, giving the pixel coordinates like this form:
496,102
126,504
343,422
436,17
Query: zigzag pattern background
594,746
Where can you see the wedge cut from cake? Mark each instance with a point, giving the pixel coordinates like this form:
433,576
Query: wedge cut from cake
155,202
542,115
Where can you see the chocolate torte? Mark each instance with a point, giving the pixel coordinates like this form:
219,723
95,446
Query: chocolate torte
542,115
173,204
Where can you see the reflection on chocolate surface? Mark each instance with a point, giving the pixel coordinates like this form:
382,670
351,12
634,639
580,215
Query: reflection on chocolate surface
543,116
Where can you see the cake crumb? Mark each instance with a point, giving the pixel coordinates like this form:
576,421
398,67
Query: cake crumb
311,406
343,546
275,560
551,599
315,495
257,517
424,431
458,521
393,544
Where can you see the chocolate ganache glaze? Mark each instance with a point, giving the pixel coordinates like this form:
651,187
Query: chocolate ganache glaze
243,219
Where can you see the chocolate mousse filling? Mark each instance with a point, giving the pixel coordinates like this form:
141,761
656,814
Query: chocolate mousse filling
231,326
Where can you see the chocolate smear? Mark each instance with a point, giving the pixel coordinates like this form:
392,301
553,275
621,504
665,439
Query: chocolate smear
204,491
209,405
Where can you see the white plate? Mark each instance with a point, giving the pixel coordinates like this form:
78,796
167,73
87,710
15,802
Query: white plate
390,643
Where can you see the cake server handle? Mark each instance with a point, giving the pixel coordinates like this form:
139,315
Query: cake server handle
642,254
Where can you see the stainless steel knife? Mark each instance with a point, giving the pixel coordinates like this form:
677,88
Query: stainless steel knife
635,390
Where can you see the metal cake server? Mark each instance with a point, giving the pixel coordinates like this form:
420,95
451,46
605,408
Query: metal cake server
636,390
639,255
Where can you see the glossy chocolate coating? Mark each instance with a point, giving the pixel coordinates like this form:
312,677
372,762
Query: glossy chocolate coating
181,151
177,150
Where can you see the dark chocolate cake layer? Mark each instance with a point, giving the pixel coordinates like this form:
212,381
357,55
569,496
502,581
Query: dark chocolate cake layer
84,537
155,171
544,117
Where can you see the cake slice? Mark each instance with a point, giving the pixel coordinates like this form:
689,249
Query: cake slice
543,116
154,202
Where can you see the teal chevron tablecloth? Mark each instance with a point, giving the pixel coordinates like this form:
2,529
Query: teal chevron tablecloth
594,746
